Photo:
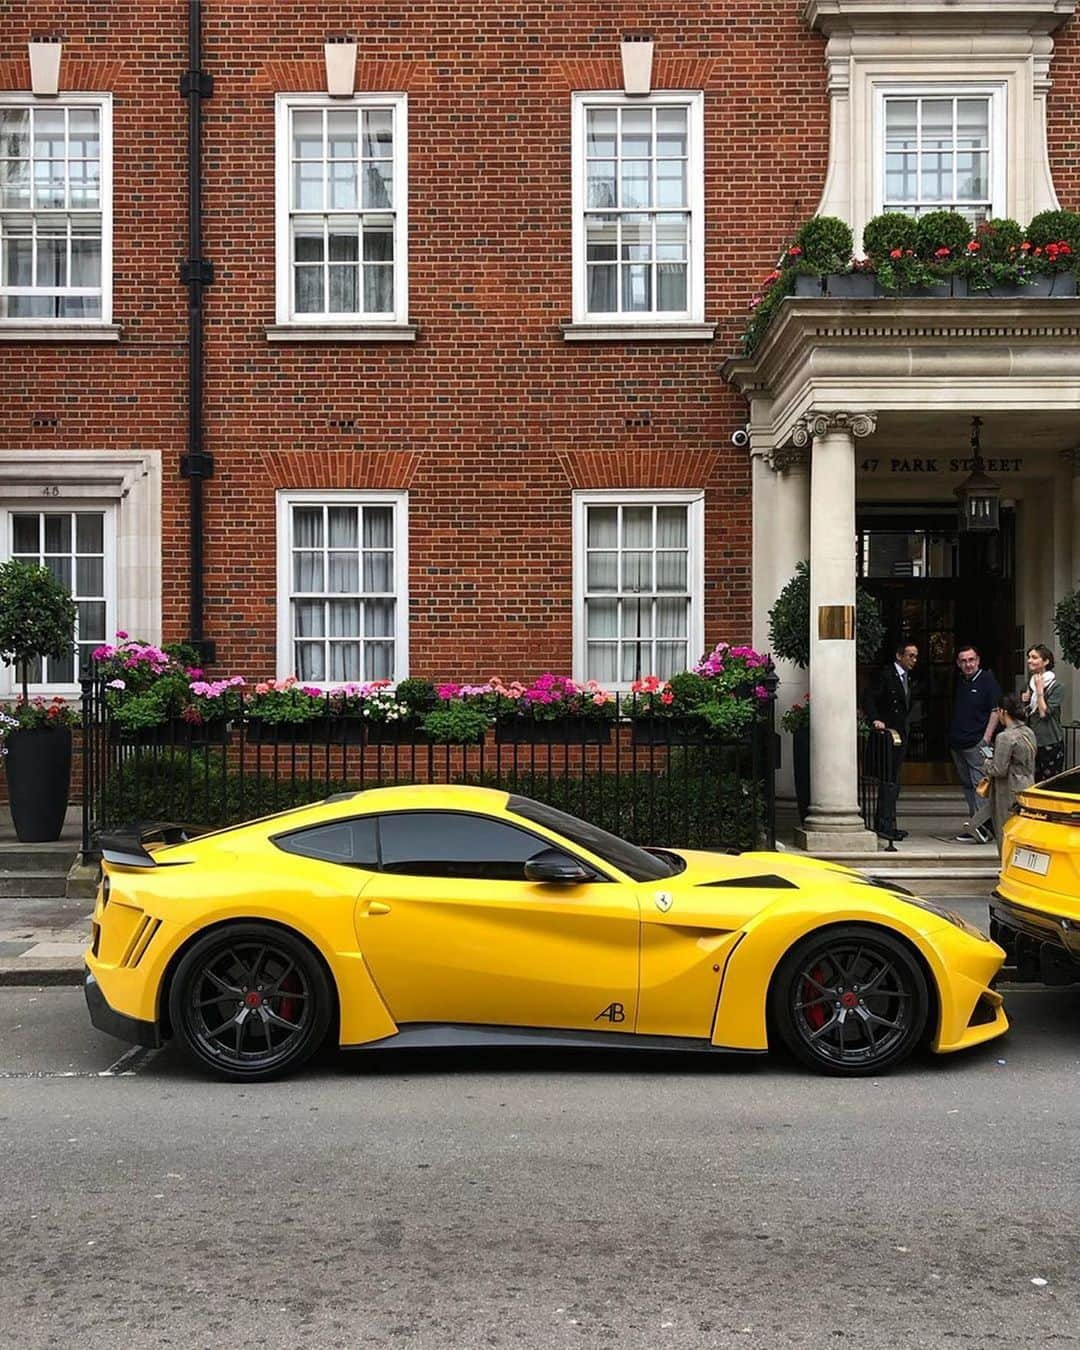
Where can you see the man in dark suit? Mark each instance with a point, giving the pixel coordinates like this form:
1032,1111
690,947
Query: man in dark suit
888,707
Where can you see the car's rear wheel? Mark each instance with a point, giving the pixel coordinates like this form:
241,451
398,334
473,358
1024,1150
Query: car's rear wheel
250,1001
850,1000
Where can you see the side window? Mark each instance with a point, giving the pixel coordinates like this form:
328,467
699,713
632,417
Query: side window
448,844
349,842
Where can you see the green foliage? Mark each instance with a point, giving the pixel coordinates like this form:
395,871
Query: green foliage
690,692
797,716
1053,227
286,704
888,232
34,713
826,244
183,653
728,718
999,239
939,232
789,621
417,695
770,302
37,617
1067,627
456,723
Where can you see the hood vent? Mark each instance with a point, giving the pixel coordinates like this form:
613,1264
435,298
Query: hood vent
768,881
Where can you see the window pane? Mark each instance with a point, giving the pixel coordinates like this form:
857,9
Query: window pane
91,618
310,616
602,572
636,238
26,534
310,661
79,307
972,180
51,259
344,526
15,183
49,133
671,572
341,128
671,286
601,238
379,289
671,182
637,572
344,573
637,287
345,618
85,261
380,661
900,123
602,662
900,177
378,574
600,132
637,527
937,123
15,132
973,123
308,526
636,660
352,842
343,290
671,242
90,577
345,661
671,658
378,185
452,844
637,617
635,183
671,131
378,244
343,186
84,179
602,618
600,183
672,617
84,135
671,526
378,526
57,534
62,671
379,618
308,185
307,571
637,133
309,290
937,172
308,240
602,526
378,133
602,288
307,135
61,570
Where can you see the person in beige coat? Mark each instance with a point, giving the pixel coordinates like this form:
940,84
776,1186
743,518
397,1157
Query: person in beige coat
1012,768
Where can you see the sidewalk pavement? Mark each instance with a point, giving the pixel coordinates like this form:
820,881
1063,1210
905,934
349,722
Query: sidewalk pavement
42,939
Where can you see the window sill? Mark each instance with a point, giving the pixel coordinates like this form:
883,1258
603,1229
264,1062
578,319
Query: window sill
295,332
44,331
638,332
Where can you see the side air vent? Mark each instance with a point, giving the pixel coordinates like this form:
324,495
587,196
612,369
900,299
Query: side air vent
140,941
768,881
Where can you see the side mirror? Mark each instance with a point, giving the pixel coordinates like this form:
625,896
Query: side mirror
551,864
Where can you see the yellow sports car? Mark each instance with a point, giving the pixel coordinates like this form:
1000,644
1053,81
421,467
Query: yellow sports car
1035,911
438,916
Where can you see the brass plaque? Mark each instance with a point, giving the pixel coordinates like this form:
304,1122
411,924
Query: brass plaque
836,622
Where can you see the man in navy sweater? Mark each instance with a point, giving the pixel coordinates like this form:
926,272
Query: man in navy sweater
974,721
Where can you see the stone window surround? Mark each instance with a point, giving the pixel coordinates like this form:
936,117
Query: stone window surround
874,48
127,481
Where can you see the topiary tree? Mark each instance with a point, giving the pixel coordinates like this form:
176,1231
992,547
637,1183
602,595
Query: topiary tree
999,240
826,244
940,230
884,234
1054,227
37,618
1067,627
789,621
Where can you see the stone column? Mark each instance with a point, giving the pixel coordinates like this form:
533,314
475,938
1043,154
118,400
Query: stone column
834,824
791,546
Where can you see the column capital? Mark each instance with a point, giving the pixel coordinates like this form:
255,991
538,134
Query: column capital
816,425
790,459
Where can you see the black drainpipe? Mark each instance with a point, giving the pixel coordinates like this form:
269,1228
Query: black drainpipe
196,273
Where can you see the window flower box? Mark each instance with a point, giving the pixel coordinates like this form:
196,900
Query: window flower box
560,731
313,731
667,731
174,732
852,286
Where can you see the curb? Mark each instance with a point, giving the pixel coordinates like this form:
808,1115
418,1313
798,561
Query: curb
45,970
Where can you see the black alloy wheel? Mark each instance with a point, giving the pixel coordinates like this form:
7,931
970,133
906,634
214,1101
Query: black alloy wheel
850,1000
250,1001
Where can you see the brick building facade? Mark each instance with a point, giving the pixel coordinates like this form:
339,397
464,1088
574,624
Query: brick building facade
469,413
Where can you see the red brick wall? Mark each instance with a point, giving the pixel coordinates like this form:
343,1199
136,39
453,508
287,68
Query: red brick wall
490,418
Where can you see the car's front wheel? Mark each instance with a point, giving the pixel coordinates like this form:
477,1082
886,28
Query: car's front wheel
850,1000
250,1001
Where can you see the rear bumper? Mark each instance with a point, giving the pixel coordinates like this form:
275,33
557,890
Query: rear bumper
1045,945
116,1024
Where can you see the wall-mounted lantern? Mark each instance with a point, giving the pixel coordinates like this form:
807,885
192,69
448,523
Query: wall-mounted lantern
979,496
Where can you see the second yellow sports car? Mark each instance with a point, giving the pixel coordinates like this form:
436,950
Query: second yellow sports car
436,916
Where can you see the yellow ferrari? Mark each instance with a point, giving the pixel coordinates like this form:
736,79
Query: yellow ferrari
447,916
1035,911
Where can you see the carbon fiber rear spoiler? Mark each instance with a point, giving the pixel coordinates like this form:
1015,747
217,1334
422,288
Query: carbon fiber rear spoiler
125,847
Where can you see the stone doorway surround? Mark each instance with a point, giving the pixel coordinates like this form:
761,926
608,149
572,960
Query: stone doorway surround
887,373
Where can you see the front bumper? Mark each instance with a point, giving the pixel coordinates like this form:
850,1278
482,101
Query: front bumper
116,1024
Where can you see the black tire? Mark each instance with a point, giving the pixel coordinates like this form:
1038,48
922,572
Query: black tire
250,1001
850,1000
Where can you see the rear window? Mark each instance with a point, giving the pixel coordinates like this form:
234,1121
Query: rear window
1067,783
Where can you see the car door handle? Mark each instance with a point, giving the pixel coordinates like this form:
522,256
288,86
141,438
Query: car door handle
373,907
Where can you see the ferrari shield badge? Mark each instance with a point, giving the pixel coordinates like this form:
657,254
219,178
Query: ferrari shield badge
663,901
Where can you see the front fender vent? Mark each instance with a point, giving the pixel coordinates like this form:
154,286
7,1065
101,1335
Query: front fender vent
768,881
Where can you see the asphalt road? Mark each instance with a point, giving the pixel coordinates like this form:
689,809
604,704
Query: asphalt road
565,1200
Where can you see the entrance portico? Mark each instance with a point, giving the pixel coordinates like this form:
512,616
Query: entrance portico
875,399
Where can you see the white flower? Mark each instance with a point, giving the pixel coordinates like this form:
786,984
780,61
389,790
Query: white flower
116,684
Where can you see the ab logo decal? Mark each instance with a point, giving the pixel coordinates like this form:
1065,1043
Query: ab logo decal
614,1012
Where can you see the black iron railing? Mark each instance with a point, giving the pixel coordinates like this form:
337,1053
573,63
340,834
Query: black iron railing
665,781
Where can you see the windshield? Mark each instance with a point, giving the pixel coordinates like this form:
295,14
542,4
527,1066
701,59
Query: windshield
1065,784
628,858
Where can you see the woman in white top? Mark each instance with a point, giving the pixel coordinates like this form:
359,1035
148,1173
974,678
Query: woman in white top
1042,699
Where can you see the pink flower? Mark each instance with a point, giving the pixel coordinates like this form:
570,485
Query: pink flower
262,688
760,692
667,697
116,684
121,634
194,673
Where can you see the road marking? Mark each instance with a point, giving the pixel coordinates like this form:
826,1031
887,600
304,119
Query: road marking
130,1062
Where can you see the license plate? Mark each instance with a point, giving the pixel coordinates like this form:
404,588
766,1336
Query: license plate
1028,860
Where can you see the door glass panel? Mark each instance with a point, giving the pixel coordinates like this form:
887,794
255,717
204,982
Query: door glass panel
452,844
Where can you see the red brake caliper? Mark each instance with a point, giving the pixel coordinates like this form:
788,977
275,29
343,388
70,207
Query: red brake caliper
815,1014
288,1007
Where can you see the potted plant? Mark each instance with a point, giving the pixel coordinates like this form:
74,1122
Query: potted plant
998,263
719,699
553,710
1067,627
394,716
789,633
37,619
288,712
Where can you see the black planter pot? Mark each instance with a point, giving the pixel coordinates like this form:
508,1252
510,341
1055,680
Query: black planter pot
317,731
39,780
396,733
1064,285
667,731
800,763
568,731
940,290
852,285
176,733
808,287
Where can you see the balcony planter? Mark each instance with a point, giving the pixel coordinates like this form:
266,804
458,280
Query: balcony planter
1064,285
38,765
807,287
667,731
939,290
175,732
396,733
564,731
315,731
852,285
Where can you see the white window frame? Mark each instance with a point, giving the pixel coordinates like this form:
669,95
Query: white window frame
694,102
694,500
284,107
103,103
286,500
10,683
995,91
